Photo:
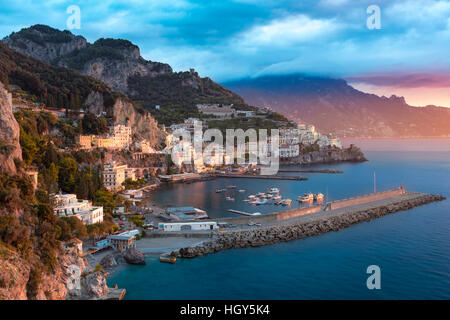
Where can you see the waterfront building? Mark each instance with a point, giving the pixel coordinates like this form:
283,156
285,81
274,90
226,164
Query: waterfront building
113,176
186,213
289,150
188,226
67,205
123,241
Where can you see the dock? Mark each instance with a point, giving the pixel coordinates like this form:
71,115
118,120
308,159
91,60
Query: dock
306,222
242,212
311,171
254,176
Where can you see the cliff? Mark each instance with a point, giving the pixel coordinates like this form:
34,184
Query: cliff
44,43
72,279
9,134
118,63
326,155
64,88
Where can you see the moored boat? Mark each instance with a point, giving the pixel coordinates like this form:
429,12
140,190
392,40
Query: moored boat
307,197
318,197
274,190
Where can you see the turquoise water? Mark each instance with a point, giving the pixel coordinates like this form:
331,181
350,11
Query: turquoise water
411,247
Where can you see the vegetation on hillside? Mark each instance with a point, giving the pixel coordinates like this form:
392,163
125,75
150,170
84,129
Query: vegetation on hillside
54,87
177,94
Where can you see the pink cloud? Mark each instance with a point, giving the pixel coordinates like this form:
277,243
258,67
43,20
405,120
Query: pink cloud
413,80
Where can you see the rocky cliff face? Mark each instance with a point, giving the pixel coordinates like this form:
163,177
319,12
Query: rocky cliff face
109,60
326,155
143,125
9,133
72,278
43,43
116,71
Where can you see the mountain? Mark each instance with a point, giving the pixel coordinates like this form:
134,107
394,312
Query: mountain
334,106
118,63
63,88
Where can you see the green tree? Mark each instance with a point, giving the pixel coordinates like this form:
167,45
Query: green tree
67,174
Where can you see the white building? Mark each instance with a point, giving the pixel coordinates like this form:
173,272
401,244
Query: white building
289,150
113,176
188,226
124,240
67,205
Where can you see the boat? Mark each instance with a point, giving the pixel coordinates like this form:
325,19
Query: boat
307,197
229,198
262,201
242,190
220,190
318,197
274,190
231,187
261,194
277,198
269,196
286,202
251,196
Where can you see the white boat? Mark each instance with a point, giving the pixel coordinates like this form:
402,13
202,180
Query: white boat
229,198
242,190
286,202
318,197
277,198
220,190
274,190
261,194
307,197
251,196
262,201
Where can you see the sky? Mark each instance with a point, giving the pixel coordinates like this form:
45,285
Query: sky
231,39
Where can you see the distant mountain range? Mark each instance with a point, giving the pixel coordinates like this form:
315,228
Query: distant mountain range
334,106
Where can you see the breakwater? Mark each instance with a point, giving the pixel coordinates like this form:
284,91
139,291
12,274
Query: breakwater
308,225
258,176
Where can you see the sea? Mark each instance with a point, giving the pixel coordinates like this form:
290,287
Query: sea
411,248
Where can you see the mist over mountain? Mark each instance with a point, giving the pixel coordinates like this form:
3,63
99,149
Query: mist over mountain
336,107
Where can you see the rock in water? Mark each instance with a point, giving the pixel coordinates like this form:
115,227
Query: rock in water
108,261
134,256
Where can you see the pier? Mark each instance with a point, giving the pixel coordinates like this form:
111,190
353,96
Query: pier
311,171
243,213
305,222
254,176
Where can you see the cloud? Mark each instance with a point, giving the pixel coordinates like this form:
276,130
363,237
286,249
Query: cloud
416,80
287,31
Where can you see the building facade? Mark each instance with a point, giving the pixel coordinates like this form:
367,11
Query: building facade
67,205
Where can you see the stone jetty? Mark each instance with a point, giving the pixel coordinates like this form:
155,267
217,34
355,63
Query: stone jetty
307,225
